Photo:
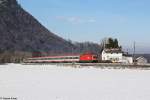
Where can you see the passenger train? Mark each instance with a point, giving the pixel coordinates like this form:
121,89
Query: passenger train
63,59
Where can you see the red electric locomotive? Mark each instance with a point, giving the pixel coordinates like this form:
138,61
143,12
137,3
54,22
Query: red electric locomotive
88,57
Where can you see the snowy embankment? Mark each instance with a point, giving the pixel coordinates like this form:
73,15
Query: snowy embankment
50,82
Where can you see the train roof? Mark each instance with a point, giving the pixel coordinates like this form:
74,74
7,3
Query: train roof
74,55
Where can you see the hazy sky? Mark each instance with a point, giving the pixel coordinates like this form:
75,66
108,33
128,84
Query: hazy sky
92,20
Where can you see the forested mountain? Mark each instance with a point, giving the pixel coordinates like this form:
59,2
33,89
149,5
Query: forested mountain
20,31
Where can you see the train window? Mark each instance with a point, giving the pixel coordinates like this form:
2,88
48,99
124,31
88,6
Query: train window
54,58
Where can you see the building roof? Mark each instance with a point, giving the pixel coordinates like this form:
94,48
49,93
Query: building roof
113,50
141,57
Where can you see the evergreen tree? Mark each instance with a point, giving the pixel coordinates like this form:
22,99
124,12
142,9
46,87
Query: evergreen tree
112,43
116,43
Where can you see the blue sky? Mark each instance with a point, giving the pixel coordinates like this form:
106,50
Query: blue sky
93,20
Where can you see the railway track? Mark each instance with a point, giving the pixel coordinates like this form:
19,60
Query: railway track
97,65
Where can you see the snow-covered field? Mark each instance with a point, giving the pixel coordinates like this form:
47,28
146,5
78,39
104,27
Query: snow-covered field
50,82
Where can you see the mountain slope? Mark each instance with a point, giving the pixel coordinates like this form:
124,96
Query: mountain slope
20,31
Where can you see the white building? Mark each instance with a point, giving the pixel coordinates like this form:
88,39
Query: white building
116,56
127,59
141,60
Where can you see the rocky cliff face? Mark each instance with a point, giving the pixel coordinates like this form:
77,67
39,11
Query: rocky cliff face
20,31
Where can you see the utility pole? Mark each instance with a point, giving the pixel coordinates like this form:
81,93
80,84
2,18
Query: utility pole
73,53
134,51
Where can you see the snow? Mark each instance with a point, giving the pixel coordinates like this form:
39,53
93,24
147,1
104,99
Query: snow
51,82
